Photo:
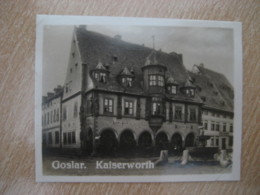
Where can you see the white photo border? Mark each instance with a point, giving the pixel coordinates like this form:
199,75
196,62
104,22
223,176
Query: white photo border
43,20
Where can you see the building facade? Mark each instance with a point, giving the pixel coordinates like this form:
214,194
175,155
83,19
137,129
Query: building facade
51,119
217,111
119,97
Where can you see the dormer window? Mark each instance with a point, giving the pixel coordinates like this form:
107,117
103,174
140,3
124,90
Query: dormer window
172,89
102,77
126,77
127,81
190,92
171,85
189,89
100,73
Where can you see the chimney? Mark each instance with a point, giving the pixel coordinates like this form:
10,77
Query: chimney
201,65
83,27
180,58
118,37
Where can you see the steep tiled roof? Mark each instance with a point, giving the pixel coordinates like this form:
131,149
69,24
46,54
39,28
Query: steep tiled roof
214,89
117,54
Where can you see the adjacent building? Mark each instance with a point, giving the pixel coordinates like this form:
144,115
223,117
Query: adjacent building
218,110
51,122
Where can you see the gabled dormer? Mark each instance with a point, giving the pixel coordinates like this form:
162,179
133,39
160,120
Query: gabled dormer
154,74
100,73
171,85
126,77
189,89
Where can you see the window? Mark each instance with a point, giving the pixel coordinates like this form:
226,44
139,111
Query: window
160,81
127,81
64,116
156,108
50,138
156,80
73,139
96,76
69,138
224,127
193,114
108,105
231,128
44,120
102,77
65,141
190,92
178,113
206,125
212,126
76,110
230,142
58,114
172,89
152,80
54,116
217,127
128,107
57,137
217,142
48,118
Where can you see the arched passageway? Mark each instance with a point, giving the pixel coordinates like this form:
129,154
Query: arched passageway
176,143
127,141
189,141
145,141
108,143
161,141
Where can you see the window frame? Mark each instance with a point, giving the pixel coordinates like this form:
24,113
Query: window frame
192,111
156,80
130,108
106,108
57,137
178,108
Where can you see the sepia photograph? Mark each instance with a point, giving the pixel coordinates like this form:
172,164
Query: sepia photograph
137,99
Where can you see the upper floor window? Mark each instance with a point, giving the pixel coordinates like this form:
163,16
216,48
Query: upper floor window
224,127
64,114
156,80
190,92
128,108
217,127
100,76
76,110
212,126
108,105
156,108
206,125
172,89
178,113
231,128
193,114
58,115
127,81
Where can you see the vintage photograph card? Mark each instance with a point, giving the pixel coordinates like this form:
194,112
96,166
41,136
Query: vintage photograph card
137,99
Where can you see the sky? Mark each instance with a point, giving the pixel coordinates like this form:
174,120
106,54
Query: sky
213,47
